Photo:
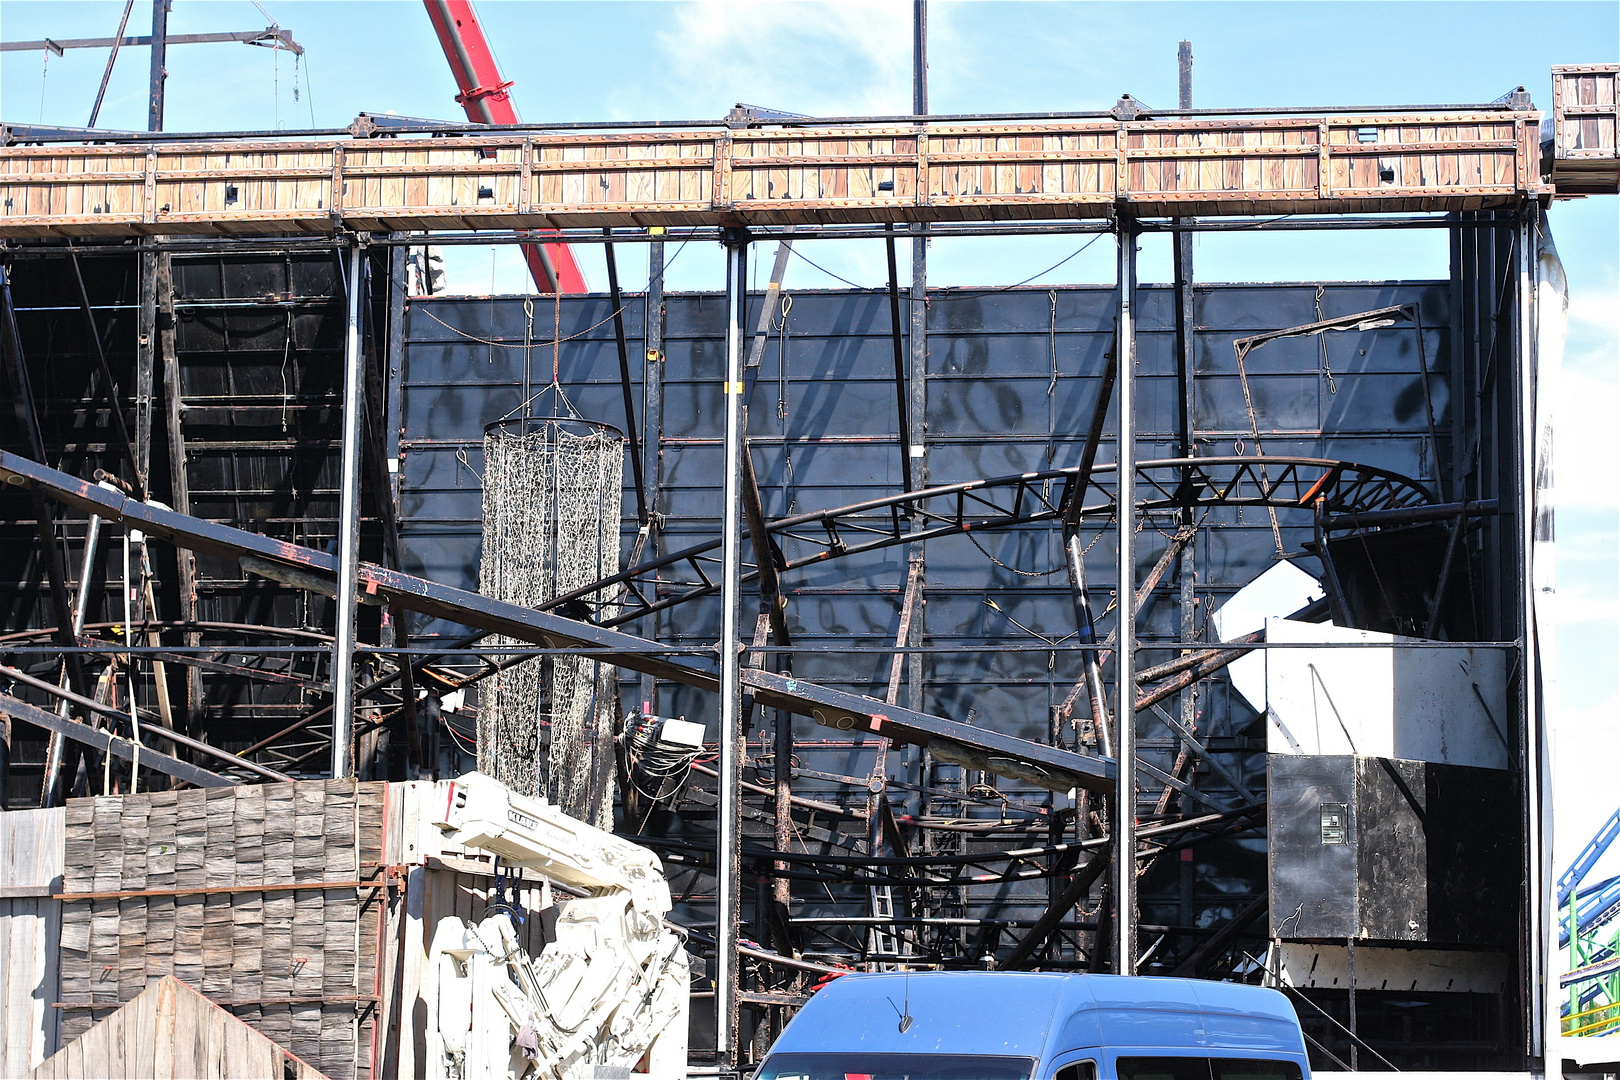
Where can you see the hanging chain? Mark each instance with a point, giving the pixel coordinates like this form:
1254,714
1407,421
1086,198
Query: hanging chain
1254,429
1322,338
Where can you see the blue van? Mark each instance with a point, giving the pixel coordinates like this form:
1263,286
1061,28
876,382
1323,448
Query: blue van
972,1025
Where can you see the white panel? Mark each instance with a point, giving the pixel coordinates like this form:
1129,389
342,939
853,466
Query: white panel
1280,591
1422,704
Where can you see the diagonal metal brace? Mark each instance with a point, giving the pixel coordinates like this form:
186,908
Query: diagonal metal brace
110,744
1004,755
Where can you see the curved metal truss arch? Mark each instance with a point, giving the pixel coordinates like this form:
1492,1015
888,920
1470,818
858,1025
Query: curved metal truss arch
1281,483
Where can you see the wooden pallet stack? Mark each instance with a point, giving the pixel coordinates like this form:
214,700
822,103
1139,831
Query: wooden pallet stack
266,899
307,910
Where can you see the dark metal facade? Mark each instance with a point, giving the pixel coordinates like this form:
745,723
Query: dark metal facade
245,432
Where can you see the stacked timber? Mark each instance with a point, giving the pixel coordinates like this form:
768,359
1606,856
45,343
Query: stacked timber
266,899
1586,121
306,910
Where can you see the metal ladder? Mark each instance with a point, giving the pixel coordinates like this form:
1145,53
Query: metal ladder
886,949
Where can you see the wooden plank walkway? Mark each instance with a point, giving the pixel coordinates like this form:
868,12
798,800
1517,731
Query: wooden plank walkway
836,174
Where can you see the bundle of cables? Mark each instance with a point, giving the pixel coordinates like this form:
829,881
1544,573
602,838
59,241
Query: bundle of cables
658,755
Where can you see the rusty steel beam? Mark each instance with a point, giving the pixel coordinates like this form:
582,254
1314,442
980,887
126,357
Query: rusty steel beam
1223,937
1078,889
767,556
897,339
950,740
1414,515
616,299
110,744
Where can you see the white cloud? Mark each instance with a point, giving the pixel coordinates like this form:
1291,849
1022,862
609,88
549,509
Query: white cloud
1587,401
1585,745
839,58
1596,311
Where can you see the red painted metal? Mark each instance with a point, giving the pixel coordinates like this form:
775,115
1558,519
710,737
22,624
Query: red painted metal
484,97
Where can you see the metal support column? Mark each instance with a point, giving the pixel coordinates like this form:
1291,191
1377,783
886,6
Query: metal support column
179,479
348,527
146,338
1530,740
1124,824
728,851
160,40
652,421
1187,562
421,763
915,760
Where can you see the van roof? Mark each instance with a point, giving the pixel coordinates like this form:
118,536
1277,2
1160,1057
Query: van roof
1020,1014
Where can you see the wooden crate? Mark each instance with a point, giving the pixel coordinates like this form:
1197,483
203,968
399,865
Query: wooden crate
868,173
1586,121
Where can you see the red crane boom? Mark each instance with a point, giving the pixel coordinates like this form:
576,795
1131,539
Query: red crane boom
483,95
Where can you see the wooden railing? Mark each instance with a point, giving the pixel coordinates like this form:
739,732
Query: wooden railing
858,173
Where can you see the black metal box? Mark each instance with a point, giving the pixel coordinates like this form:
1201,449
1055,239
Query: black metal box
1385,850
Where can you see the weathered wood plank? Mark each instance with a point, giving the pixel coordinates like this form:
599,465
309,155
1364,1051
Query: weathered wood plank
1586,123
31,862
814,174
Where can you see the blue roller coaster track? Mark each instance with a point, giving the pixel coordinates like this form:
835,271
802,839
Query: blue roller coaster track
1590,931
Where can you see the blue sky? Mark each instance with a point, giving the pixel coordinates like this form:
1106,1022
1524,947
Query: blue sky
585,61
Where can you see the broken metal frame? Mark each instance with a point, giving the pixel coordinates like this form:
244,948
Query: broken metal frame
1071,484
117,717
50,551
1349,521
1045,765
1003,502
107,743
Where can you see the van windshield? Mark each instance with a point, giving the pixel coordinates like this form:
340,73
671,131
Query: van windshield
859,1066
1202,1068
